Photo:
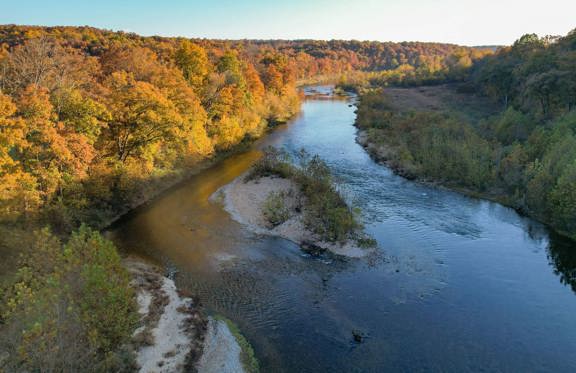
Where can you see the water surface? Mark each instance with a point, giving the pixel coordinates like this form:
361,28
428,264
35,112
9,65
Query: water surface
459,284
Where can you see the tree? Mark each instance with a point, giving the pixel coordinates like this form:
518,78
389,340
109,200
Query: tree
52,151
255,85
42,62
563,199
273,79
141,115
81,114
543,87
192,59
32,63
18,189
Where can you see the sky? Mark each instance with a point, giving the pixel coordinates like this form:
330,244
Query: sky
464,22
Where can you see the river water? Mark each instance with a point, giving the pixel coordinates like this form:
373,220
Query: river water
457,284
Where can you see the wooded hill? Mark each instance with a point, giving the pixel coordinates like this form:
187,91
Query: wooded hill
91,117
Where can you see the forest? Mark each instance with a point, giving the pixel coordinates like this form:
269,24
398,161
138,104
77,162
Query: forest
524,155
91,118
94,122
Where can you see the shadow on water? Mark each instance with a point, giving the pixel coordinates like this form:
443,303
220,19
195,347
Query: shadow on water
458,284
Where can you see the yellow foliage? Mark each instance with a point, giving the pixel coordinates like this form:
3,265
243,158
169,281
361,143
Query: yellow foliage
228,132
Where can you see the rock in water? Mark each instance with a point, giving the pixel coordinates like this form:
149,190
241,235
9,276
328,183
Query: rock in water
358,338
311,248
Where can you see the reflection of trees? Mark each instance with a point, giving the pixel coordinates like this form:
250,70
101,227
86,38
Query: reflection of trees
562,254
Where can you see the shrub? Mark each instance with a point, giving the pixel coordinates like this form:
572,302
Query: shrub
275,209
326,212
274,162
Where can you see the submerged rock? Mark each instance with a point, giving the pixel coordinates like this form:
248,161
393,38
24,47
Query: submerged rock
312,249
358,336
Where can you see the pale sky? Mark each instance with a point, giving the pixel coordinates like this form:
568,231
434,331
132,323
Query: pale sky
464,22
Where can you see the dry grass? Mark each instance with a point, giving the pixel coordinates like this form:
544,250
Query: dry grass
446,97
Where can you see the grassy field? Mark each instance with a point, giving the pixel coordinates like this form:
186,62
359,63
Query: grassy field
446,97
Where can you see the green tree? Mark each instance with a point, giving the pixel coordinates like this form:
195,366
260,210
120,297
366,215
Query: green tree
192,59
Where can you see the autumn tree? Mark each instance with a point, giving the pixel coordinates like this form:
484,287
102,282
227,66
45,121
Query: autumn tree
192,59
70,306
140,115
18,188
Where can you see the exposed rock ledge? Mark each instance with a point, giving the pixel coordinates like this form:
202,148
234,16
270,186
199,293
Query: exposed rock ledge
244,201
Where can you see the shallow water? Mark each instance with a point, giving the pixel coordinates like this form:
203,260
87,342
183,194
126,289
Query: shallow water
459,284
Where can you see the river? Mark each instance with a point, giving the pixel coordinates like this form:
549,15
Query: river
459,284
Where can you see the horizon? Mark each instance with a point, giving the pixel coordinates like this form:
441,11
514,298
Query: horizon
445,21
253,39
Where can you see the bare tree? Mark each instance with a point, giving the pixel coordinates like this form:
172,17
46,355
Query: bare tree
44,63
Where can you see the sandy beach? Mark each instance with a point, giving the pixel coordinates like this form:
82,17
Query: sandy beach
173,335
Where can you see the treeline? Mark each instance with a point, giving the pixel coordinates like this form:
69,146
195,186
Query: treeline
371,56
525,156
93,118
453,65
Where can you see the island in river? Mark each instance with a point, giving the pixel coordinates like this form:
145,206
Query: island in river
245,201
296,197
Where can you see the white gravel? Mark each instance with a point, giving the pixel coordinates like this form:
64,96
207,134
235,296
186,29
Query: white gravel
171,342
221,350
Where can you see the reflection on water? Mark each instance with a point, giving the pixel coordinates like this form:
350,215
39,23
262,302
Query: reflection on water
459,284
562,257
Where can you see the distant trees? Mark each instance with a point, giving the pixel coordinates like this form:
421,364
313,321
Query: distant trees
535,74
453,65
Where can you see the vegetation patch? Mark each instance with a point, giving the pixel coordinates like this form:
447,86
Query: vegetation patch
70,307
247,356
275,209
326,213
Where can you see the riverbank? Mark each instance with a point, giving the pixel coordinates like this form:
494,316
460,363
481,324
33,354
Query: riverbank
171,332
173,335
446,136
155,188
245,201
383,155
